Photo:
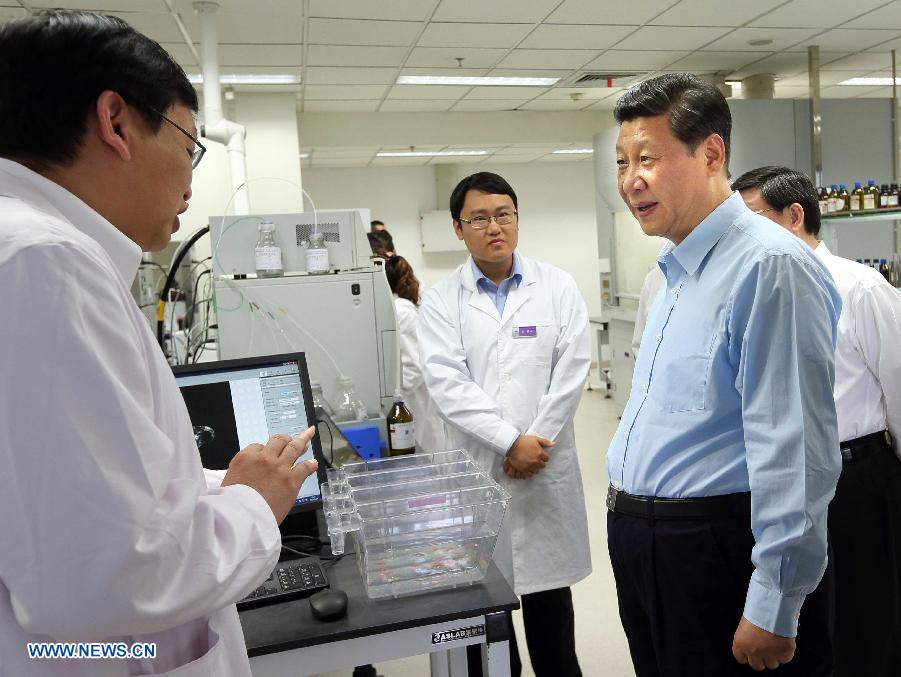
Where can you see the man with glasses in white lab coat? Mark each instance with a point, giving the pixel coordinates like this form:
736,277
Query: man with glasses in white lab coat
111,531
505,350
865,515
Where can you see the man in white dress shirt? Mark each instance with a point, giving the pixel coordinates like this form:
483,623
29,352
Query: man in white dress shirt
865,515
111,531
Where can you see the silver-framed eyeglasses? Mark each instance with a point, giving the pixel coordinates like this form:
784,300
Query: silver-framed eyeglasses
481,222
766,209
199,148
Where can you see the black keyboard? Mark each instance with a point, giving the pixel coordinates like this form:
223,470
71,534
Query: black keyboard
294,578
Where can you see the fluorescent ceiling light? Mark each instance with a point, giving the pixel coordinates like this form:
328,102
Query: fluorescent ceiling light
573,151
429,153
304,155
274,79
474,81
871,82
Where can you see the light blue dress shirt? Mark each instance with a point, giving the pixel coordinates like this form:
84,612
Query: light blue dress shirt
498,293
732,392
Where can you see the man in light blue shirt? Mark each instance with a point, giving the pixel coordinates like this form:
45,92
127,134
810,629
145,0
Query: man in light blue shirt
725,459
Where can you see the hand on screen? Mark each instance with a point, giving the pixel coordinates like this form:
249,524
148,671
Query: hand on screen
272,470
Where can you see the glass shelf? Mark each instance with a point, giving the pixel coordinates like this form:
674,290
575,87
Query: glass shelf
892,214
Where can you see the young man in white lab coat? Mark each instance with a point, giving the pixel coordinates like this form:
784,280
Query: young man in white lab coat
865,515
111,531
505,350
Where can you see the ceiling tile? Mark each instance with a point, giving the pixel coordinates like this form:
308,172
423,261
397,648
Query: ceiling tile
398,161
446,57
452,92
816,13
325,75
670,37
586,94
715,61
507,159
784,64
260,26
7,13
394,10
635,12
488,104
848,92
635,60
884,17
496,11
155,25
463,72
576,37
334,55
505,92
412,105
344,151
782,38
827,78
252,55
464,35
125,5
565,157
343,92
554,104
851,39
711,13
855,62
363,32
530,72
351,106
791,92
547,58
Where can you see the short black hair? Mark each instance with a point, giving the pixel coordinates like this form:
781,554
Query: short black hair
780,187
486,182
380,241
55,66
373,224
696,108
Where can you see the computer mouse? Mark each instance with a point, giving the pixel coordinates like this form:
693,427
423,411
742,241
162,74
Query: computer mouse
329,605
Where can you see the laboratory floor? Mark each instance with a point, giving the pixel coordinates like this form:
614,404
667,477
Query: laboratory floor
600,641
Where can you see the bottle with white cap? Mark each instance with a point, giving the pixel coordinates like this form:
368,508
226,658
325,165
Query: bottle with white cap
267,252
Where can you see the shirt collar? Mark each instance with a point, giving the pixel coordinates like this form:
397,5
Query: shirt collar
515,273
692,250
18,181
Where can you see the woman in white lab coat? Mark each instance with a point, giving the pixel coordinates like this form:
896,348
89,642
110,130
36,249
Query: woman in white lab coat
429,428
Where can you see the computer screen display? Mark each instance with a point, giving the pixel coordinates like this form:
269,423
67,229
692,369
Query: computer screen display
234,403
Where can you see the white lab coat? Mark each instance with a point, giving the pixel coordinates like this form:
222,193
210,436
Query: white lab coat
110,529
428,425
491,387
650,290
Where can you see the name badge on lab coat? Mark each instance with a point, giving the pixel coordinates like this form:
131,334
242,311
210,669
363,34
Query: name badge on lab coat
525,332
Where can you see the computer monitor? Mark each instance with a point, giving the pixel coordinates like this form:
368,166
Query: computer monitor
234,403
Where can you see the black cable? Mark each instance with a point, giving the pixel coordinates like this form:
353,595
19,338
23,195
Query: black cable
330,461
296,552
298,537
189,321
170,278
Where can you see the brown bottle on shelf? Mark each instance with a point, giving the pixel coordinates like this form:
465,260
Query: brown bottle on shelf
843,200
400,430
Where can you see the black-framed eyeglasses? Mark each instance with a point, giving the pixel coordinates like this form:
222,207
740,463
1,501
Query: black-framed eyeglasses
199,148
481,222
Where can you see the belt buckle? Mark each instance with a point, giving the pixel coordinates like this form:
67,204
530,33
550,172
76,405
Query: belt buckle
611,498
847,455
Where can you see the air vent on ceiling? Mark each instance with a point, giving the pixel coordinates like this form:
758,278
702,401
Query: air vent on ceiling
604,78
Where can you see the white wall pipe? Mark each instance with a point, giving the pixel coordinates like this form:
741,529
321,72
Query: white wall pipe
215,127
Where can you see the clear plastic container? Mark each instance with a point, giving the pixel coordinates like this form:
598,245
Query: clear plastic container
420,523
347,404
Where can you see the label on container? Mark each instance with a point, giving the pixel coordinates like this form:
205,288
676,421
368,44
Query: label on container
317,260
824,207
839,204
855,203
268,258
402,436
893,200
831,205
869,201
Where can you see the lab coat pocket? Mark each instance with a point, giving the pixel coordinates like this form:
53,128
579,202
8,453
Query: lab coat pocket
534,344
683,382
213,662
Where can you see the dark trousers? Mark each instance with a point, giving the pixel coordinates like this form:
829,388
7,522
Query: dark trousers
681,587
865,528
550,635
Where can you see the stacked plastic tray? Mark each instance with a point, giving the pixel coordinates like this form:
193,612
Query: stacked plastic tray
421,522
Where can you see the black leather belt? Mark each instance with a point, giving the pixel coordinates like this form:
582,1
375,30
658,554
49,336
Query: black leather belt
653,507
861,447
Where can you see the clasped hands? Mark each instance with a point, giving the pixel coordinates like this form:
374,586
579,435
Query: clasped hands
527,457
